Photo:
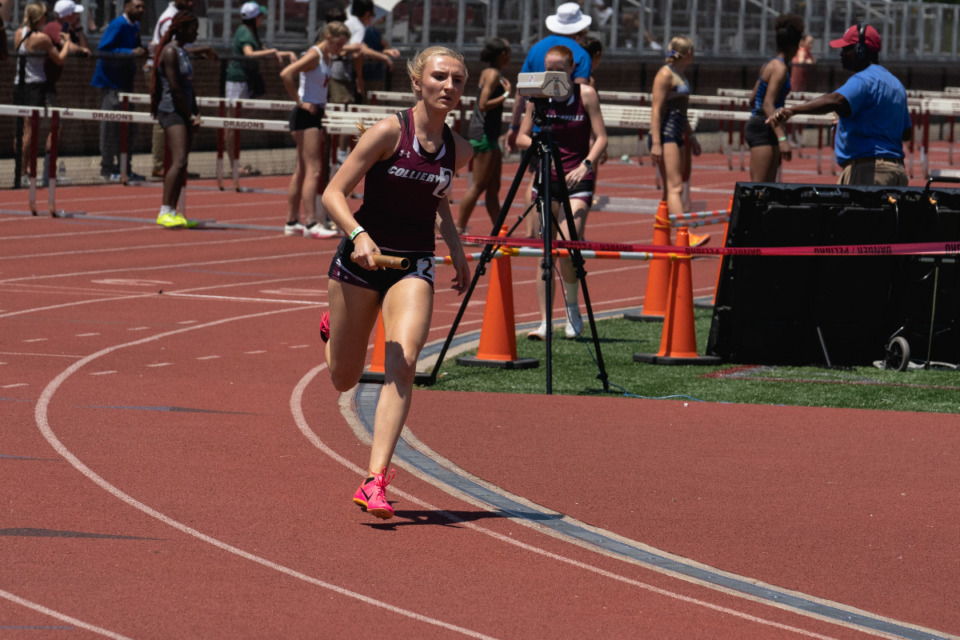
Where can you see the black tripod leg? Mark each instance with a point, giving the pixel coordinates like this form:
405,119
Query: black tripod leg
576,258
545,149
485,257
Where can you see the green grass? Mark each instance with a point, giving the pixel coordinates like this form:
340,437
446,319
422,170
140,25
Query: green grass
575,373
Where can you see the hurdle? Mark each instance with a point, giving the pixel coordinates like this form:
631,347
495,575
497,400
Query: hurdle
124,118
34,114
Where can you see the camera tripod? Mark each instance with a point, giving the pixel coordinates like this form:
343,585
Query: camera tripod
544,147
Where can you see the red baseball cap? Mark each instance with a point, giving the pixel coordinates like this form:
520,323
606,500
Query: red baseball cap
870,37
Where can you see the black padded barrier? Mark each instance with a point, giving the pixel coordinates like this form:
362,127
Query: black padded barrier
836,310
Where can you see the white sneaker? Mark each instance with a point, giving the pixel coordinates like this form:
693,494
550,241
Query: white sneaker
293,229
318,232
574,326
540,333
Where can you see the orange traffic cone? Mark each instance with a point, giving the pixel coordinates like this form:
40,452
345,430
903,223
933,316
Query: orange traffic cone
658,276
376,372
498,335
678,341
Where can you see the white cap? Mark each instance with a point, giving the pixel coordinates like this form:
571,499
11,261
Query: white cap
568,19
65,8
251,10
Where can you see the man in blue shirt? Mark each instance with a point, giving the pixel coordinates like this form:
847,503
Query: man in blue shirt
114,74
568,25
873,117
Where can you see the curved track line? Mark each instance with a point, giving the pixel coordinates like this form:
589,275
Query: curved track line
452,479
297,409
40,415
60,616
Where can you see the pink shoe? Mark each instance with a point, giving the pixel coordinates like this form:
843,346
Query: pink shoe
372,495
325,326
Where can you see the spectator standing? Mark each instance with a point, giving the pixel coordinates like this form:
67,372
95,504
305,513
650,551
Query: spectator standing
163,23
801,64
670,129
486,125
873,118
67,21
30,79
312,73
581,137
243,78
375,71
116,68
768,143
174,104
346,80
568,27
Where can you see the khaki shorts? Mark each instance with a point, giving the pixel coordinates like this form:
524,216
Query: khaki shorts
340,92
884,172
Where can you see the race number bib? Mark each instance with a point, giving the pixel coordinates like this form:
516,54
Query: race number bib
446,178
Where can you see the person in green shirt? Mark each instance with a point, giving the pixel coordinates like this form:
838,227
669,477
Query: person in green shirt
243,79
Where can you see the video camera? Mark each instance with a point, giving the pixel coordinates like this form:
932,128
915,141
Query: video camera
545,84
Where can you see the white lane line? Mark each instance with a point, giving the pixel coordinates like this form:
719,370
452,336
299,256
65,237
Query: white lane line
15,385
238,298
103,373
160,364
207,357
87,335
296,408
183,265
36,340
58,254
39,355
60,616
41,416
253,353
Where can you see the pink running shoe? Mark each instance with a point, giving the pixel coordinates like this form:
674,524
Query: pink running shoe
325,326
372,495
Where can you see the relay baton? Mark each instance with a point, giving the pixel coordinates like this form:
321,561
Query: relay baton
390,262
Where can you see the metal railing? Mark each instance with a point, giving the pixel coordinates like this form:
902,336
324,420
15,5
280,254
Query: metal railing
911,30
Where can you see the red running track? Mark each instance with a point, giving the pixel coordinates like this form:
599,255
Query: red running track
174,462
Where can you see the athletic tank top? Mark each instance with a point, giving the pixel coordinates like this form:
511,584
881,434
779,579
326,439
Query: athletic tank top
34,72
401,193
674,122
489,123
184,78
572,132
762,93
313,83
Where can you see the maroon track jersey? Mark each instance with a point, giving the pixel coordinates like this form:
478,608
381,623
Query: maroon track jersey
572,134
401,193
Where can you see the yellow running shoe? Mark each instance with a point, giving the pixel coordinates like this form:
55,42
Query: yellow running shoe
175,221
171,220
